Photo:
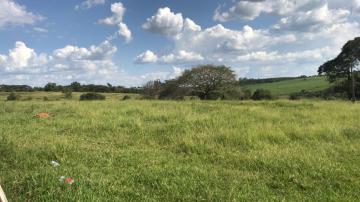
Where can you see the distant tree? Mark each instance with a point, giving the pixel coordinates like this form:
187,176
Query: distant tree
208,81
75,86
262,94
171,90
50,87
152,89
344,66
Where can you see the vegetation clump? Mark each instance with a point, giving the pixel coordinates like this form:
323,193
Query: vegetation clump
67,93
12,97
261,94
126,97
92,96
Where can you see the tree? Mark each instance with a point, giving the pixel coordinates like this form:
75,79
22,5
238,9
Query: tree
75,86
344,66
50,87
208,81
152,89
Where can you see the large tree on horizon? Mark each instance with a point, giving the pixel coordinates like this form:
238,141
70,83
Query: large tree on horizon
344,66
206,80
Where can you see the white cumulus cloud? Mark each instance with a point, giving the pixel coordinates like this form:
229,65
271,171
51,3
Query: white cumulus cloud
165,22
116,19
12,13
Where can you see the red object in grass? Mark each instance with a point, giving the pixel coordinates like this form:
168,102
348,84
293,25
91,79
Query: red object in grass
69,180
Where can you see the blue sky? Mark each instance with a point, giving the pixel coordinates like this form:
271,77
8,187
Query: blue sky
129,42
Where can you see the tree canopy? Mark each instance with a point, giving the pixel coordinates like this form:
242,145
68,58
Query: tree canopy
344,66
206,80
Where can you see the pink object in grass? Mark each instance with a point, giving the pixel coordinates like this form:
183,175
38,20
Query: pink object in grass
69,180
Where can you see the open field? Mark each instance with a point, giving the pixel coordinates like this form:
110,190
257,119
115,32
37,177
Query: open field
181,151
285,88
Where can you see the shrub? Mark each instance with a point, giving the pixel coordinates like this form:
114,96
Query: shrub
294,96
126,97
12,97
92,96
67,93
45,98
262,94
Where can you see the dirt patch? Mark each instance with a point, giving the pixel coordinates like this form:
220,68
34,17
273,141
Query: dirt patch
42,115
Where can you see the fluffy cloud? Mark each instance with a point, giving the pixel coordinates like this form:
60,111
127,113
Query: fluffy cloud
22,58
308,33
89,4
247,10
12,13
180,57
118,11
313,20
165,22
116,19
70,60
146,57
104,51
94,64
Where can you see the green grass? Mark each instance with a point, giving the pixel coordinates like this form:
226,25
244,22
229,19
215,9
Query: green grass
181,151
284,88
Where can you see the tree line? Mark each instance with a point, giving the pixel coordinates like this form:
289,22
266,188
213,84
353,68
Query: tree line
205,82
73,87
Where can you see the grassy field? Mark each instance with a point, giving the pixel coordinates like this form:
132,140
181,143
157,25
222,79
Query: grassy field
139,150
285,88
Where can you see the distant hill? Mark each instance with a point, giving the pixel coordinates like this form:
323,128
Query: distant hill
286,86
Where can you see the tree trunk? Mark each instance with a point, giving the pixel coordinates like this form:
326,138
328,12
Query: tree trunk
353,99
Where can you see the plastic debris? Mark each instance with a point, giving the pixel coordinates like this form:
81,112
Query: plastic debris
66,180
42,115
2,196
54,163
62,178
69,180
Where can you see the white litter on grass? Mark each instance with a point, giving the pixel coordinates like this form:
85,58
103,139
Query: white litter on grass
54,163
2,196
62,178
66,180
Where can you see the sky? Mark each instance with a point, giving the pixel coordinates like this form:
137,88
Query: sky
130,42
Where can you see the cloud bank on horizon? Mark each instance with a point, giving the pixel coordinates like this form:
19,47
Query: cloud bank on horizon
300,36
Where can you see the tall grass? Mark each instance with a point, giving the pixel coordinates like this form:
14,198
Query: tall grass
181,151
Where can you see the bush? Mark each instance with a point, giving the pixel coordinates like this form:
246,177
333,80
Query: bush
262,94
294,96
126,97
12,97
45,98
67,93
92,96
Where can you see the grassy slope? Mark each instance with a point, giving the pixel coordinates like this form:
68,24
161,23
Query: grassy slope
172,151
291,86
